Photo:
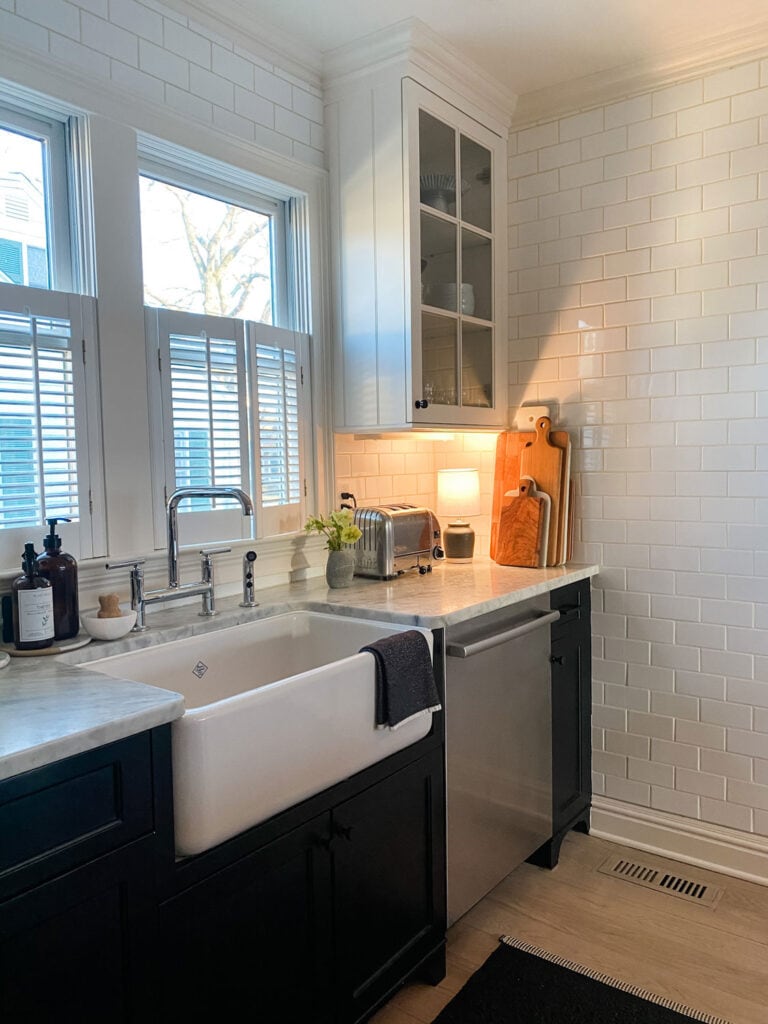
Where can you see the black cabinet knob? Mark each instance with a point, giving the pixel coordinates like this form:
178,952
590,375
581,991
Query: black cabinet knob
557,659
421,403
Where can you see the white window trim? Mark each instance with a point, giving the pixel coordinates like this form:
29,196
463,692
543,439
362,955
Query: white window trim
89,535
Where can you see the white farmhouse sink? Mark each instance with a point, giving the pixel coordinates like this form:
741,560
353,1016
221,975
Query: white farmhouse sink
276,711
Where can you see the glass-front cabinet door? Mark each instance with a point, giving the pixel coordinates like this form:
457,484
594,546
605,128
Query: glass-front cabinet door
456,363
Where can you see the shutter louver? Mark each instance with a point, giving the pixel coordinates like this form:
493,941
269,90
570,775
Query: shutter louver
38,455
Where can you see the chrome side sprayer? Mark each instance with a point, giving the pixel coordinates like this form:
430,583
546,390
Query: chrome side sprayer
248,566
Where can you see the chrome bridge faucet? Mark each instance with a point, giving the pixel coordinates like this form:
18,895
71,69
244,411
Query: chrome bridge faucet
176,590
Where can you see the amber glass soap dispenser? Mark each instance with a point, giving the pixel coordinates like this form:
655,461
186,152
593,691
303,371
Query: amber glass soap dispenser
61,569
32,606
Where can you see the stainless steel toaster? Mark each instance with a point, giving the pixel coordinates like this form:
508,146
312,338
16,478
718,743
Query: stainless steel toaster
396,539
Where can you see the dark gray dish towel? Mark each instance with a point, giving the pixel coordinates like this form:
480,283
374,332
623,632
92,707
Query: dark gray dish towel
405,683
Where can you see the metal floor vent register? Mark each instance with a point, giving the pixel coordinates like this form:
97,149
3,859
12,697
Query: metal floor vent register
662,881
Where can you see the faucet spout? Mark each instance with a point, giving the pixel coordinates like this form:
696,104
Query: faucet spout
173,523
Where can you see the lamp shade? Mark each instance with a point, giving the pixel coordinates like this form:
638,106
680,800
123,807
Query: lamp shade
458,493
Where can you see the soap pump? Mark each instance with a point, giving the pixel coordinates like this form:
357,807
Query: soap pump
32,606
61,569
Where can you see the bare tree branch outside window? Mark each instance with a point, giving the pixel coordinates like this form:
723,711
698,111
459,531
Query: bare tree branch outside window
203,255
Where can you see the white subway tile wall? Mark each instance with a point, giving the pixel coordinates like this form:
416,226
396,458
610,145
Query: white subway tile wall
401,468
157,54
641,316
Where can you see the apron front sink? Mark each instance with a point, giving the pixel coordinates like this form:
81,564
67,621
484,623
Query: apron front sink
276,710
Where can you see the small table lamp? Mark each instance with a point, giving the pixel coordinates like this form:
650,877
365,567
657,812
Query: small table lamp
458,496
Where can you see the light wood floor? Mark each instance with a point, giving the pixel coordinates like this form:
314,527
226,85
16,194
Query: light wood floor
715,961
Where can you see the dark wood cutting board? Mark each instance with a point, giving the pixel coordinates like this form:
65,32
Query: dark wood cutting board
519,534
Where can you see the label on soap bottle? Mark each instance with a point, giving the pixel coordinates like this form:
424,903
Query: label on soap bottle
35,614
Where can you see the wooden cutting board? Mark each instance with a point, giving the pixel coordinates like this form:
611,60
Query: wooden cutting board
544,462
565,507
520,526
507,473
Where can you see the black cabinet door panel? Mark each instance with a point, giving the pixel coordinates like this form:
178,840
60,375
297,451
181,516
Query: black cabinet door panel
388,880
254,940
67,952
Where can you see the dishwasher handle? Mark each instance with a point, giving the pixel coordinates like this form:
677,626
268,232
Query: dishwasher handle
486,643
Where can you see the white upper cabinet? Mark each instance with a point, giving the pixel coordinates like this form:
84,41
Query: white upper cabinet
418,188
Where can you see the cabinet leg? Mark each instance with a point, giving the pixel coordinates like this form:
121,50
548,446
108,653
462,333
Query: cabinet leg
548,853
582,825
432,970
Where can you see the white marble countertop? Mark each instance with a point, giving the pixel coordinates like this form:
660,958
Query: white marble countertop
52,707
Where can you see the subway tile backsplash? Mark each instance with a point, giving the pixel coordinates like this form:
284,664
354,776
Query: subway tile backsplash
639,263
403,468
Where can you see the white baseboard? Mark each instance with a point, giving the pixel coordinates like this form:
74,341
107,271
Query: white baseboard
740,854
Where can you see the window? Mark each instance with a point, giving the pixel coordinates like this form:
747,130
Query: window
50,428
34,213
230,399
202,254
47,367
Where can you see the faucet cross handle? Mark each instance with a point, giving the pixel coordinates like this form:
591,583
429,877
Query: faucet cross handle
129,563
206,561
206,569
137,588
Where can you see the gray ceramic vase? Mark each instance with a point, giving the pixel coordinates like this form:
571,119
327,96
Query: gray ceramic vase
339,569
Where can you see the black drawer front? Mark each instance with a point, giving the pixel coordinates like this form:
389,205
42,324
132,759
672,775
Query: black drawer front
573,603
75,809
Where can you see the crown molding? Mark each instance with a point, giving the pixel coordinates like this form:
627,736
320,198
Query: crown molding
57,88
714,54
421,52
237,21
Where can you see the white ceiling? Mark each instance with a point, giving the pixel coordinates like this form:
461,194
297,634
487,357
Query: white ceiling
526,44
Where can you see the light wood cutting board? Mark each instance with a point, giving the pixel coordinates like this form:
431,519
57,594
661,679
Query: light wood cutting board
507,472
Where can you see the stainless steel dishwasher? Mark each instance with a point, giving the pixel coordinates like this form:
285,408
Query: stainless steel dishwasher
498,746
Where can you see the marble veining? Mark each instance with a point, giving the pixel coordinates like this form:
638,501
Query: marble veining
53,707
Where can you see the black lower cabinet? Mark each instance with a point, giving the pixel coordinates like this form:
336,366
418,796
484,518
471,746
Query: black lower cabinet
78,891
571,674
389,882
320,924
256,937
74,949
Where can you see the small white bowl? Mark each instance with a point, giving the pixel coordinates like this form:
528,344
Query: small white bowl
108,629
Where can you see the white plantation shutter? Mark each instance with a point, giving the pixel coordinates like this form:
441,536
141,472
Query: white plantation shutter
234,414
205,404
278,360
204,424
38,459
46,340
